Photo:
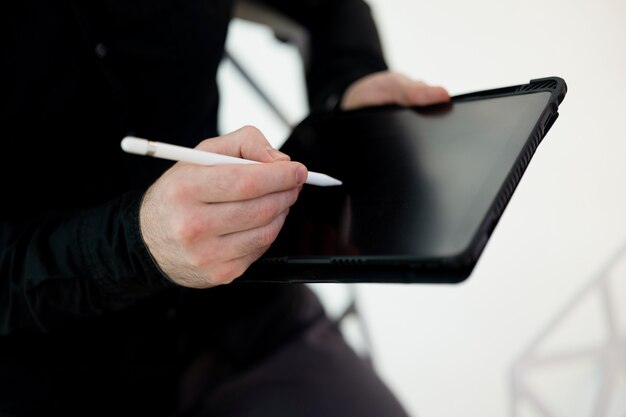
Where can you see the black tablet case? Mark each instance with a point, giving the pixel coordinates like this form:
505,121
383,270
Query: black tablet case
310,248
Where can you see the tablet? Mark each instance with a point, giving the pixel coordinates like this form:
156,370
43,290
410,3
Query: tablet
423,187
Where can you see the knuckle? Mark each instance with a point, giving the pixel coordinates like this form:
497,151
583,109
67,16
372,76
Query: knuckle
205,144
228,272
247,185
190,229
250,131
176,194
204,261
198,261
185,233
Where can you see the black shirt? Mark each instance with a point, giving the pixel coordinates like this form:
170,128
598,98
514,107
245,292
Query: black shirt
77,285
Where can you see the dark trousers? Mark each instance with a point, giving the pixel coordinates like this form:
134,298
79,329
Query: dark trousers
270,350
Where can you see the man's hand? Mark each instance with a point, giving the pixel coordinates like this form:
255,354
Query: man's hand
391,88
204,226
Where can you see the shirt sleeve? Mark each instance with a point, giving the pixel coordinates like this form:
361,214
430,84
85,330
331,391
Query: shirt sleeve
64,266
344,45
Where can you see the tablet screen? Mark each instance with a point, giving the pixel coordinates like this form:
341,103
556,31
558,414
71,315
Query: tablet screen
417,182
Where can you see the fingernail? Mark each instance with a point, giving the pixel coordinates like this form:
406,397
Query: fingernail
276,154
301,174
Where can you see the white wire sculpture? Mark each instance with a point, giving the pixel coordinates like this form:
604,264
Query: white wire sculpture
603,389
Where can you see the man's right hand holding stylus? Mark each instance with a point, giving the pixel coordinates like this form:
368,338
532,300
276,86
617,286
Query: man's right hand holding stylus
204,226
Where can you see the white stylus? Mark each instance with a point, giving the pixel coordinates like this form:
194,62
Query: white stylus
162,150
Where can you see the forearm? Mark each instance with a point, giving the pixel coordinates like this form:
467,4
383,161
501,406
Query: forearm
64,266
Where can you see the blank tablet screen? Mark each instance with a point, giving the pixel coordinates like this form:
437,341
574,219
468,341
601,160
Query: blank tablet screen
417,182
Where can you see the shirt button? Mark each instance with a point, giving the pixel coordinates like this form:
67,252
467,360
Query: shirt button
101,50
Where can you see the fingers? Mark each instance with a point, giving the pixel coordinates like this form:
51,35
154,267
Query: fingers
417,93
253,243
231,255
241,182
391,88
232,217
226,183
196,244
247,142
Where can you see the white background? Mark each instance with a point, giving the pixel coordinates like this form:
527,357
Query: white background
448,350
